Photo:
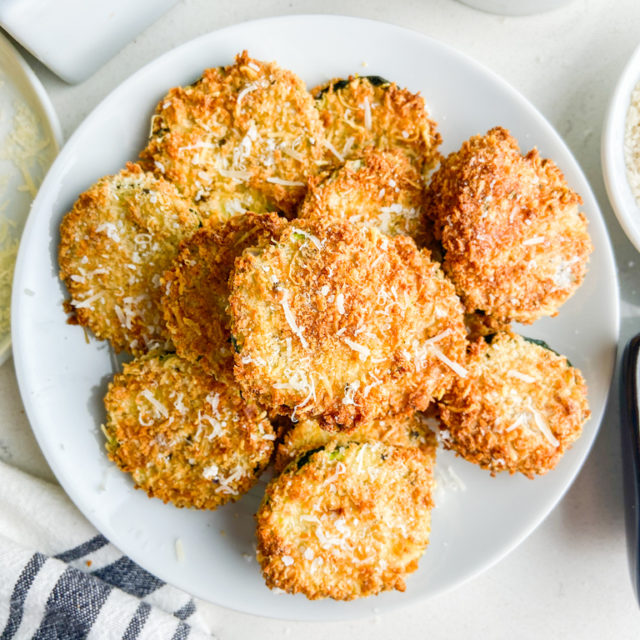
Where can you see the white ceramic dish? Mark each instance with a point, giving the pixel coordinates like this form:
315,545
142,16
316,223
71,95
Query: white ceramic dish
625,206
516,7
63,379
76,37
20,94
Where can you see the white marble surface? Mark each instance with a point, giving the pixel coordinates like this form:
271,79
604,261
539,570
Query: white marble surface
569,579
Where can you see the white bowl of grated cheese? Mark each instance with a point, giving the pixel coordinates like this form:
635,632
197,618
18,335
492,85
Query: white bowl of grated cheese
621,149
30,137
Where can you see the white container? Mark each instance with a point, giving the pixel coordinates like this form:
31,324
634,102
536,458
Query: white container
20,86
614,168
516,7
76,37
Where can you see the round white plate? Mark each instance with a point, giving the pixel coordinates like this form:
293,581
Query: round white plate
63,379
626,207
21,94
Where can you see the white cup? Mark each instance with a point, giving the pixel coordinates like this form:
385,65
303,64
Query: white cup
516,7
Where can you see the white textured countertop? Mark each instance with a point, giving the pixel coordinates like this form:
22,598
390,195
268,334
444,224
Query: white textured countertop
569,579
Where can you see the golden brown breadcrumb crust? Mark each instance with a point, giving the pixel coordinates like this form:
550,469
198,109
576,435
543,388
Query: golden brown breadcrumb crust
182,436
342,322
115,243
361,112
347,521
515,244
196,288
243,137
382,189
406,430
519,409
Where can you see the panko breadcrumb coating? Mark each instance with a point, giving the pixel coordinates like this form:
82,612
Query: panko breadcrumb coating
345,323
407,430
196,288
519,409
242,138
347,521
382,189
182,436
515,244
363,112
115,243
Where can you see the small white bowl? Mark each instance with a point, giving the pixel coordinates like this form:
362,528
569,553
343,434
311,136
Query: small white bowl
516,7
614,168
18,83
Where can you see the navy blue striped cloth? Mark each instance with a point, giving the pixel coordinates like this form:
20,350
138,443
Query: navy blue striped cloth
52,598
85,590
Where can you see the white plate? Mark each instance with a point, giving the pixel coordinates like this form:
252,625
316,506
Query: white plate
21,93
63,379
622,200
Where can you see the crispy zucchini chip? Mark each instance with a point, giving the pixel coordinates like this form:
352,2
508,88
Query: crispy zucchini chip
519,409
184,437
347,521
368,112
344,323
115,243
242,138
196,288
515,244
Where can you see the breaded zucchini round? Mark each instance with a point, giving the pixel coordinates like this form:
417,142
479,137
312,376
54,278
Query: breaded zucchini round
242,138
346,522
184,437
345,323
406,430
515,244
363,112
196,288
115,243
382,189
519,409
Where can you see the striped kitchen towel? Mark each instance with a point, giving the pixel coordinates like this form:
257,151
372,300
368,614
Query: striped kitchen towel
61,579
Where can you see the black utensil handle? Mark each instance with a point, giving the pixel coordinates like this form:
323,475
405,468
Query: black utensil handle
630,439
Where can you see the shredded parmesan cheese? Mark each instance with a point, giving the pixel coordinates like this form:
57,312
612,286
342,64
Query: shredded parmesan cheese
544,429
532,241
285,183
333,150
288,314
8,253
155,403
25,153
87,302
367,114
363,352
240,176
348,144
439,336
340,469
521,376
461,371
252,86
632,143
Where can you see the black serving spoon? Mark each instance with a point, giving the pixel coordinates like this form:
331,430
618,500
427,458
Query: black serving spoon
630,437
